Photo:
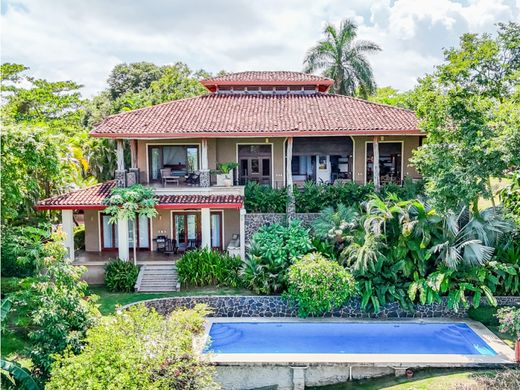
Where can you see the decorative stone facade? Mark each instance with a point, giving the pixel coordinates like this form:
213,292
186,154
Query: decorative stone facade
276,306
120,178
256,220
204,178
132,176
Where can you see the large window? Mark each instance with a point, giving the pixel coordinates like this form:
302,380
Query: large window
390,157
181,159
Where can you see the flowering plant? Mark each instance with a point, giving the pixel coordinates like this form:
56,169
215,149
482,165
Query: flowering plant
509,318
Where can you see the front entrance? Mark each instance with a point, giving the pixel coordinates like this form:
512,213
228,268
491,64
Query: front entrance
254,164
109,233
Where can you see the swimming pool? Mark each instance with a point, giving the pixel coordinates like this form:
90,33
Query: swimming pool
346,338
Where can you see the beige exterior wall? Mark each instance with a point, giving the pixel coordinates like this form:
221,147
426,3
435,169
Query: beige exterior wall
409,143
231,224
92,231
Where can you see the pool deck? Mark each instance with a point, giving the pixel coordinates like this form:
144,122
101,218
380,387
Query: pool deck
504,356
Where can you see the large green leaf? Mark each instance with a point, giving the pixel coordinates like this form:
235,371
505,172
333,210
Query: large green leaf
21,376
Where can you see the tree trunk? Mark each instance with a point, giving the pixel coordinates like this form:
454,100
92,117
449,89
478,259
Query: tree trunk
375,165
492,195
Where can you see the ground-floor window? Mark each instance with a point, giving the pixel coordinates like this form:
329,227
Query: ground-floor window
109,233
187,230
390,161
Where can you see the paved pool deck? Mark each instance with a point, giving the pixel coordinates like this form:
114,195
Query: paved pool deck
504,356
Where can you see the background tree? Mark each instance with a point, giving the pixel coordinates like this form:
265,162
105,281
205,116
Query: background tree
344,60
469,109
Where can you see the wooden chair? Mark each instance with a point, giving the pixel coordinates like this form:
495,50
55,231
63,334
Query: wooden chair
193,178
166,176
171,247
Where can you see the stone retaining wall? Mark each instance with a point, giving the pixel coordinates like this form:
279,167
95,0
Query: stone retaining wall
276,306
254,221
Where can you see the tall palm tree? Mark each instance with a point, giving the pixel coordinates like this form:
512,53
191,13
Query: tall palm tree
344,60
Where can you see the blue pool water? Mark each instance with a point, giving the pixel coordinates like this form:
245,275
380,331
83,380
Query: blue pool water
343,338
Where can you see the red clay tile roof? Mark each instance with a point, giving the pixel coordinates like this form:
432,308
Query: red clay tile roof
274,77
220,115
92,198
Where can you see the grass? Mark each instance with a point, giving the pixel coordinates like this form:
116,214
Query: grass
108,301
441,379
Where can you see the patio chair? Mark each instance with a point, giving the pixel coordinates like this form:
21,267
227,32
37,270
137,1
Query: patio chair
193,178
171,247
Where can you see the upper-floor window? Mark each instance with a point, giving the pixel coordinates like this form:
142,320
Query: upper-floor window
180,159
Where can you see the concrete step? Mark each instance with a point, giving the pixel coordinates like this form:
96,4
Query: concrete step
155,278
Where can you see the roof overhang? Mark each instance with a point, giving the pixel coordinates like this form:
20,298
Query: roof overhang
212,85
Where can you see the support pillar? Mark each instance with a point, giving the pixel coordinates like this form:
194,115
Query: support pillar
67,220
122,239
205,222
120,174
243,233
375,165
291,207
204,178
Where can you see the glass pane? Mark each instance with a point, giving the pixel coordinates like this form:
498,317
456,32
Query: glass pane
130,234
255,166
144,238
108,239
174,157
193,158
192,227
243,168
215,230
266,167
156,163
180,234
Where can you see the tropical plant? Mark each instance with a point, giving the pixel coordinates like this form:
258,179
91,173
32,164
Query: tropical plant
139,349
510,197
206,267
55,307
120,275
509,319
318,285
15,376
264,199
226,167
273,249
344,60
129,203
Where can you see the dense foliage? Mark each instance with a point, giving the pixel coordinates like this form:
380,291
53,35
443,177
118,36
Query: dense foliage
509,319
273,249
344,60
510,197
318,285
138,349
205,267
120,275
470,109
312,197
55,307
406,251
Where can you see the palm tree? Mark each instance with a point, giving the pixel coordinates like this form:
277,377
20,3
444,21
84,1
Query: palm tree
344,60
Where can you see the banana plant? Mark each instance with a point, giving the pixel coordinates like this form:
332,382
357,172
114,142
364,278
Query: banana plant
16,377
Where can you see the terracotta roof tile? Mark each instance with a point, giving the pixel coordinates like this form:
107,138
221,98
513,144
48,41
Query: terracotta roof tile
93,197
266,76
220,115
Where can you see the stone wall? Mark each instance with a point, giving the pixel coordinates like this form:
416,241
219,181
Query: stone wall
276,306
256,220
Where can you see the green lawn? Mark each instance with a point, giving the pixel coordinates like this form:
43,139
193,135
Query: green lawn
442,379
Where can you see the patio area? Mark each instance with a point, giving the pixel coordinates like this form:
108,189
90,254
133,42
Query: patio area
143,257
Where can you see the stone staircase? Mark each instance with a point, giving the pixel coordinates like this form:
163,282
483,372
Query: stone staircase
157,278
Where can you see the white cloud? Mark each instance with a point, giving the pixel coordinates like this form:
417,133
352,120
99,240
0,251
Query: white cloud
82,41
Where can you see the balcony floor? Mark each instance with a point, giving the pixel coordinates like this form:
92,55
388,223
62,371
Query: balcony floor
143,257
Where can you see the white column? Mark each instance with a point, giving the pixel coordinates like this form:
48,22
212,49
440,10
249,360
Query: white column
204,163
67,221
133,153
205,222
375,164
289,162
120,153
122,239
243,233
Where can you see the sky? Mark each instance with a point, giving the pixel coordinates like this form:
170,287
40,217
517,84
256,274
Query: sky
82,40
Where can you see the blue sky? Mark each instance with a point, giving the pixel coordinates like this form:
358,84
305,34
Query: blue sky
82,40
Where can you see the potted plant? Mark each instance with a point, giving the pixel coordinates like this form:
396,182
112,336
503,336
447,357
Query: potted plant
509,319
225,173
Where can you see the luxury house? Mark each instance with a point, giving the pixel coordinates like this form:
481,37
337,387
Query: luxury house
280,128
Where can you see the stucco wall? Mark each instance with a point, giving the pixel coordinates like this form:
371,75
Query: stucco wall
231,224
92,231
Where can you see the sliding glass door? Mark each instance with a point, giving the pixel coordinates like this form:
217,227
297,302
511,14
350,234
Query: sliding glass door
109,234
180,159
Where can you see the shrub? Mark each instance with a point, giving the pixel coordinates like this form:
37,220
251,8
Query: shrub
205,267
121,275
22,248
509,319
264,199
318,285
503,379
139,349
79,237
273,249
484,314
